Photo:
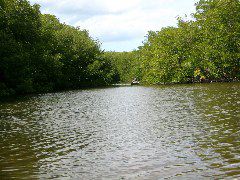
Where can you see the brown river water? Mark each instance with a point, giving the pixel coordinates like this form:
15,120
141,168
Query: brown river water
138,132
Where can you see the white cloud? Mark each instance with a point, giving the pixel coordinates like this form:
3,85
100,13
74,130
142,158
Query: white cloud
118,22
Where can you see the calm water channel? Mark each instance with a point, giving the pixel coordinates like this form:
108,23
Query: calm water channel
179,131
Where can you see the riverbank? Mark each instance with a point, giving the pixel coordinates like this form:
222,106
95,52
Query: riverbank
201,81
9,95
12,97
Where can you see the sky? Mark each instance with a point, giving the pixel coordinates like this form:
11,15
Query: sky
120,25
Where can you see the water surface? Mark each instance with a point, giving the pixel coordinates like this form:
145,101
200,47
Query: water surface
179,131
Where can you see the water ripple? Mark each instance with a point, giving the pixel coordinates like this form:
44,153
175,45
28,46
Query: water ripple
181,131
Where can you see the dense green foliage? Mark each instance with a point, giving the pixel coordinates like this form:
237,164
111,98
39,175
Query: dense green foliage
125,64
206,48
40,54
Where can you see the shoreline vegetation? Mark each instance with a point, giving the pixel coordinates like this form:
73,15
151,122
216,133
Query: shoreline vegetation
39,54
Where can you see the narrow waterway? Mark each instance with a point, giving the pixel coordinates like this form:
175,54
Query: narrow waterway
177,131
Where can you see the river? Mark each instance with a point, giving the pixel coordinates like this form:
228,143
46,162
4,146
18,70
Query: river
175,131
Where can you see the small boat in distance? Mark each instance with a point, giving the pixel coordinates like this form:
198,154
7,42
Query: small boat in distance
135,82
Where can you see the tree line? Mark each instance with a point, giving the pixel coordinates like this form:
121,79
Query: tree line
203,49
39,54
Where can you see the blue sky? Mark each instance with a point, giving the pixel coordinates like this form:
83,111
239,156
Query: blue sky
121,25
